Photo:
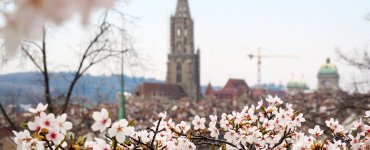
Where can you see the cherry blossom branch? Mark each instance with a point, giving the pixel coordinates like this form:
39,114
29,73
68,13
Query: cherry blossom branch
139,142
155,133
48,143
203,138
286,134
115,141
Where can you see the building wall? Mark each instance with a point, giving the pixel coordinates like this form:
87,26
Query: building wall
328,83
183,66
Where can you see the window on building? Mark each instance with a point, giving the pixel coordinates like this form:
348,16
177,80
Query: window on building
178,32
179,46
178,73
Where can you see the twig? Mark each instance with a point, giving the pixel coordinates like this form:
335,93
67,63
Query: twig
155,133
11,123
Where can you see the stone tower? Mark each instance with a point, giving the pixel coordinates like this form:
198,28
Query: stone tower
328,78
183,66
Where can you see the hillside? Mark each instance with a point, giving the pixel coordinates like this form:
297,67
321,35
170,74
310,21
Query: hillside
27,87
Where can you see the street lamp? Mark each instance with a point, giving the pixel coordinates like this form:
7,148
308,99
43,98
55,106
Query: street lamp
122,101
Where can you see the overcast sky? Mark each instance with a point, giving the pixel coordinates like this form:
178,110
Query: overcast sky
227,30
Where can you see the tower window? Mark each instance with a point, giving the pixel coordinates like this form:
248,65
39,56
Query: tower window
178,32
179,46
178,73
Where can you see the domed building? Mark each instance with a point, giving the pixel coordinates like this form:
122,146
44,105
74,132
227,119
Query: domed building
328,78
296,86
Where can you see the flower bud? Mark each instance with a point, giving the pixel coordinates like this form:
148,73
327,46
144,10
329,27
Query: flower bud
44,131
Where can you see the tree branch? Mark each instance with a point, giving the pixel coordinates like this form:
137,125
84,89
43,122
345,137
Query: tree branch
45,73
80,71
11,123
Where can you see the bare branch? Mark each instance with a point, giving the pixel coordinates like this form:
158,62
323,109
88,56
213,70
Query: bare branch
31,57
11,123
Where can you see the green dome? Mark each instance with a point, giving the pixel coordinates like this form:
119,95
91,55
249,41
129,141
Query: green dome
328,68
297,84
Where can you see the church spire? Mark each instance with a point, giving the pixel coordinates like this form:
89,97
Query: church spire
182,9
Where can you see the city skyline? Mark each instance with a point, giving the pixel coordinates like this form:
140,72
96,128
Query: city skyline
226,32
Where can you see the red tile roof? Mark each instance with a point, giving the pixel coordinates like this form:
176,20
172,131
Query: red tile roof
160,89
233,89
236,84
209,89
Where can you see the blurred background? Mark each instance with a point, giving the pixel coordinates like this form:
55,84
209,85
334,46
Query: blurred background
191,57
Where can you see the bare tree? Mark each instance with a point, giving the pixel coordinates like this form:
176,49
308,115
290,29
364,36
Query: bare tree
359,59
103,46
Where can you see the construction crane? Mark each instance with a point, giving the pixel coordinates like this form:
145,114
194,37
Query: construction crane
259,57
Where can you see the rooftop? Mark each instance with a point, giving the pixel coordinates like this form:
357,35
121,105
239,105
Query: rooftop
328,68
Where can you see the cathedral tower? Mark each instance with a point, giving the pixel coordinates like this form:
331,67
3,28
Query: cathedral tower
183,66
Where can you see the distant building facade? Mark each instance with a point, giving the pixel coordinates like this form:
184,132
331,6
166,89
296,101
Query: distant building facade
159,90
233,89
183,66
296,86
328,78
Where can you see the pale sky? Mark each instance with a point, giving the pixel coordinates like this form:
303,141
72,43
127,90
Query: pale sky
227,30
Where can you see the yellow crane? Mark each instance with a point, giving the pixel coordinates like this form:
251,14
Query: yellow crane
259,58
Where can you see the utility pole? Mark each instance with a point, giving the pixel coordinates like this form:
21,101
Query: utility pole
122,102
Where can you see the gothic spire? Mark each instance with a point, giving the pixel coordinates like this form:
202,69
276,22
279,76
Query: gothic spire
182,9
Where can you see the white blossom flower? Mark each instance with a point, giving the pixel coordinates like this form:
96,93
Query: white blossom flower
47,121
170,145
298,120
332,124
268,124
199,123
55,136
120,130
214,132
213,121
367,114
339,129
357,125
260,104
35,125
89,144
143,135
102,120
20,137
39,108
231,136
339,144
64,125
182,127
33,144
163,115
274,100
316,131
101,145
354,140
185,144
